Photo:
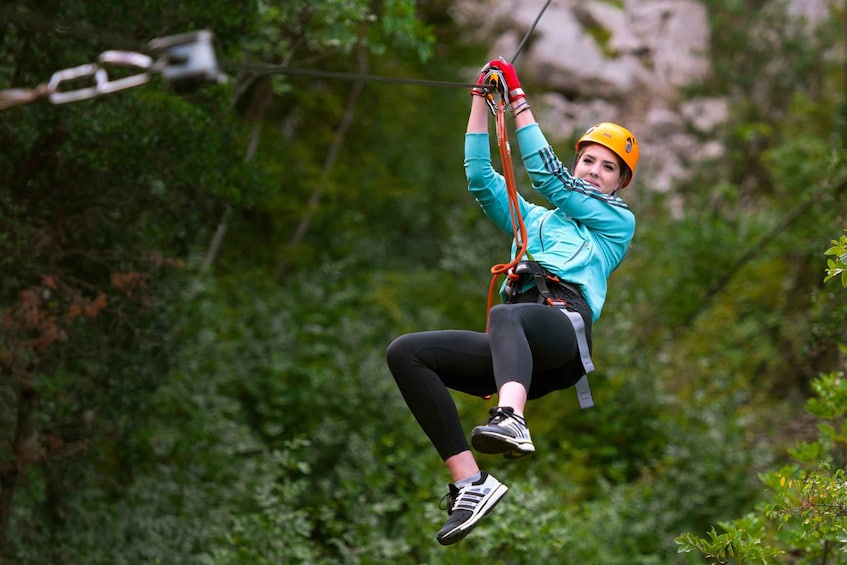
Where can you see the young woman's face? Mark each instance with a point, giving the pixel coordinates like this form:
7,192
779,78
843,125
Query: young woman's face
599,167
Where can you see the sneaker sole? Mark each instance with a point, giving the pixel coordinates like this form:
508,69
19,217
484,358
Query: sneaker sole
491,443
459,532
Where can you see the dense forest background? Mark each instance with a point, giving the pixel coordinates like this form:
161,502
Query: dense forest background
198,288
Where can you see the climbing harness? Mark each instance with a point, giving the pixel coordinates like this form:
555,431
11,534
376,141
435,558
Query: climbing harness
542,279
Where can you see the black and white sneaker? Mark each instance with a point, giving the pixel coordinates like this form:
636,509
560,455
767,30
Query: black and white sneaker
505,433
466,505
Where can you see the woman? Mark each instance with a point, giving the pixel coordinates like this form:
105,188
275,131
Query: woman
530,348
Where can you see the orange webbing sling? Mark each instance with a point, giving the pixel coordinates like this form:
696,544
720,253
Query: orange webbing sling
518,226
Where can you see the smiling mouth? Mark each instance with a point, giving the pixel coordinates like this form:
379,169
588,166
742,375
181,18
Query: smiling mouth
593,183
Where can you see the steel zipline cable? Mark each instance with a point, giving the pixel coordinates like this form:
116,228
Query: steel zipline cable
529,32
262,68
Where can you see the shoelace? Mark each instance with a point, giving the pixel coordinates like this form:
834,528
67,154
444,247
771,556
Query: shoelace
465,498
499,415
468,498
450,499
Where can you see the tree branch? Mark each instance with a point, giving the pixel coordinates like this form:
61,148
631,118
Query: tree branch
329,162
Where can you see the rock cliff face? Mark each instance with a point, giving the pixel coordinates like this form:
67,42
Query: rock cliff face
622,61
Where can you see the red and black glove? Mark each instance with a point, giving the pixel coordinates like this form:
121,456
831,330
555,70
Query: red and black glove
512,92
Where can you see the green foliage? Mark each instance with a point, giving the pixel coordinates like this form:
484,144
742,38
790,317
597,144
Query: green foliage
289,28
838,265
741,543
805,514
783,59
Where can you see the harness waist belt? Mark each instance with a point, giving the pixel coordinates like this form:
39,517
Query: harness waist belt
540,275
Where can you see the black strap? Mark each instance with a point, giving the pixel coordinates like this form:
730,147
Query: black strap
541,276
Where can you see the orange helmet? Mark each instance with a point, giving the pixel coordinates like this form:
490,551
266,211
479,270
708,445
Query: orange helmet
616,138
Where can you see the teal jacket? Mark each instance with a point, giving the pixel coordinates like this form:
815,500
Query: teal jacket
581,240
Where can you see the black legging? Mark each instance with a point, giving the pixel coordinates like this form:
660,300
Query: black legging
530,343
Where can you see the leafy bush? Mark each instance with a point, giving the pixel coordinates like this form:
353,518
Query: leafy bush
805,513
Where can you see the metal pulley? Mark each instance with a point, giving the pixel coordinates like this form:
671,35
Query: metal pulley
187,60
495,81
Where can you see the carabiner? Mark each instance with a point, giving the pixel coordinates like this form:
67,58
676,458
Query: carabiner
495,81
82,71
125,59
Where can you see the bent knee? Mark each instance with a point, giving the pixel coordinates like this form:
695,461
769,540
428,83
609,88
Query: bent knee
400,348
502,313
